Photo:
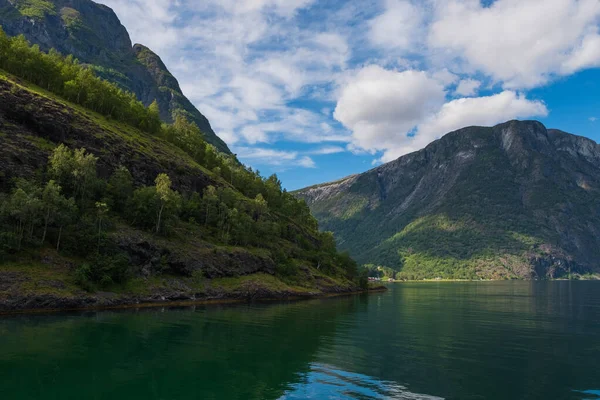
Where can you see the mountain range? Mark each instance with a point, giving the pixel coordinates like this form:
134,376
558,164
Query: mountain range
515,200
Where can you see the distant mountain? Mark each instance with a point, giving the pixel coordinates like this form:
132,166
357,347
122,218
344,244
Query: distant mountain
512,201
93,34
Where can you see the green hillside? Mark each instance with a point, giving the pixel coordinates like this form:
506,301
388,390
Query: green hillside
92,33
99,196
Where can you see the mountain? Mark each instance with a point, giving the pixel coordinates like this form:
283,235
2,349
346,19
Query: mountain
93,34
512,201
101,205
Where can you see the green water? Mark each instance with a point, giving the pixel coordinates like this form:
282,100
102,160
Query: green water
489,340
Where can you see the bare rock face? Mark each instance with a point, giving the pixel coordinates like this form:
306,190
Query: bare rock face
512,201
93,34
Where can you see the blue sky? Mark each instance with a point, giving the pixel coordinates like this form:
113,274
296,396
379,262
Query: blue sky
315,90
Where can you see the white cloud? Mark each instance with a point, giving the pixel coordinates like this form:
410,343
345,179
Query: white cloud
593,119
273,157
242,62
399,27
467,87
399,112
306,162
520,43
281,7
328,150
460,113
445,77
380,106
586,55
268,71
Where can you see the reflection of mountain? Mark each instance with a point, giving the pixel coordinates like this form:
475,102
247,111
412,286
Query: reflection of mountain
490,340
467,341
252,352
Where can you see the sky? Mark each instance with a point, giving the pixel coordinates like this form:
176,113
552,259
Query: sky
315,90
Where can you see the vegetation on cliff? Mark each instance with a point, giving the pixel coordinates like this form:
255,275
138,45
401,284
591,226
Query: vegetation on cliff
510,202
93,34
117,219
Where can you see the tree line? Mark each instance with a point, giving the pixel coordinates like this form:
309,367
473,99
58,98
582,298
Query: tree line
73,210
65,77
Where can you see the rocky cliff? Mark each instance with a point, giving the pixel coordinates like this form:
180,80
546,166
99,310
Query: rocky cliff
513,201
93,34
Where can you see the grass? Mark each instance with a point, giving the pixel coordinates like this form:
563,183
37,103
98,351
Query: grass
150,145
71,18
258,282
41,279
35,8
42,143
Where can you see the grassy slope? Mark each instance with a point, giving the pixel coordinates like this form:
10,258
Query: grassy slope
45,272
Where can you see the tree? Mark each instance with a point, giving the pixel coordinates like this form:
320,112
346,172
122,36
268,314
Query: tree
168,199
154,123
62,166
101,212
119,189
260,206
84,172
65,215
24,207
4,47
143,207
51,199
211,202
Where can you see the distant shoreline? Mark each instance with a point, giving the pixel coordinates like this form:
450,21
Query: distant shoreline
492,280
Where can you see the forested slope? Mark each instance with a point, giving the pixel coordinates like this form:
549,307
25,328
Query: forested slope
98,195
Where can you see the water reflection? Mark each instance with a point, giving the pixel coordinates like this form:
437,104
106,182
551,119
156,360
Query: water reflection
218,352
586,393
326,382
492,340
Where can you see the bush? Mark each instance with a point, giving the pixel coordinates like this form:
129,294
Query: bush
103,270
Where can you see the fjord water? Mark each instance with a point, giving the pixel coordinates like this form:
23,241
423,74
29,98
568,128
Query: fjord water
484,340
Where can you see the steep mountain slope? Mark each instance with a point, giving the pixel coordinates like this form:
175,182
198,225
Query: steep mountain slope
93,34
512,201
97,212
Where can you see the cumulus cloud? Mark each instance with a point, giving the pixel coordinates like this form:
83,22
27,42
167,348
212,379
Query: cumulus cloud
474,111
399,112
519,43
380,106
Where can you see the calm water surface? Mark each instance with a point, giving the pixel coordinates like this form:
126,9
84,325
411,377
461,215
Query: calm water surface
489,340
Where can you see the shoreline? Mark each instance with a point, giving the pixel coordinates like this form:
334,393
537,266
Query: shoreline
128,303
493,280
